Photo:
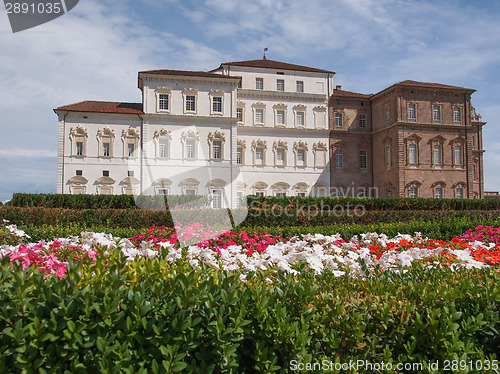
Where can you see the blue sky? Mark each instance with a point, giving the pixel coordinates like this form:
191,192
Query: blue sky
95,51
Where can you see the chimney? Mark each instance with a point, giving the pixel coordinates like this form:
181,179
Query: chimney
339,87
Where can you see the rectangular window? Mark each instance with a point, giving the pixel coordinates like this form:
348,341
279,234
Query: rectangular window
280,194
473,141
301,194
363,159
413,192
259,115
163,148
300,116
105,149
474,171
162,191
217,104
362,121
300,86
163,102
388,193
190,149
301,155
436,113
239,156
339,158
130,173
79,148
412,154
259,155
259,194
458,155
457,115
190,103
459,193
190,192
437,155
387,115
280,85
259,83
79,173
105,173
387,156
280,156
216,199
412,112
217,149
338,120
239,114
130,149
280,117
438,192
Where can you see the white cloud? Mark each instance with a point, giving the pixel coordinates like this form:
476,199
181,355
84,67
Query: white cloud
19,152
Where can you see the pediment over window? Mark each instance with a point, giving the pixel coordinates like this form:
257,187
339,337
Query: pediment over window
459,184
280,186
438,184
190,91
191,135
217,135
104,181
130,181
260,185
301,186
300,145
79,131
241,143
190,182
319,109
240,104
413,138
78,181
217,92
259,143
279,106
320,146
163,89
106,132
131,133
216,183
414,183
163,133
458,140
259,105
300,108
437,139
280,144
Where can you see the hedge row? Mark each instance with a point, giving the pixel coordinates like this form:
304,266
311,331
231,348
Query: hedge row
153,317
314,203
139,218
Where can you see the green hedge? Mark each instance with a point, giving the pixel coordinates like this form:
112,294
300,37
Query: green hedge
150,316
321,203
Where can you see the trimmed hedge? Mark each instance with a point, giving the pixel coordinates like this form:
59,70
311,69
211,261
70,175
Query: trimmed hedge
320,203
150,316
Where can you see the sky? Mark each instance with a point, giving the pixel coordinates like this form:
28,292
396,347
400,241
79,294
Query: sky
95,51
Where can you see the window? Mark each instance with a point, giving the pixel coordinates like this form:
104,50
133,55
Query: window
362,121
438,192
280,194
163,102
457,115
301,155
163,148
130,173
217,149
217,104
190,192
216,199
300,150
130,150
300,86
79,173
259,116
105,173
259,83
280,117
363,159
301,194
412,112
190,103
239,114
459,192
300,119
413,192
162,191
79,148
280,157
338,120
320,153
339,158
457,155
437,154
105,149
388,192
436,113
259,194
280,85
474,171
259,148
387,115
387,156
473,141
190,148
239,155
412,154
259,155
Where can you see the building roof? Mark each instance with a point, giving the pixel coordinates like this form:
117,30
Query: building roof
431,85
187,73
271,64
104,107
342,93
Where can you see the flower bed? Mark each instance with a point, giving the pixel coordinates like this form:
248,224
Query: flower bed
361,256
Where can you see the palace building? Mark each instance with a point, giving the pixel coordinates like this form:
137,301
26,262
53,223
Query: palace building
268,128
